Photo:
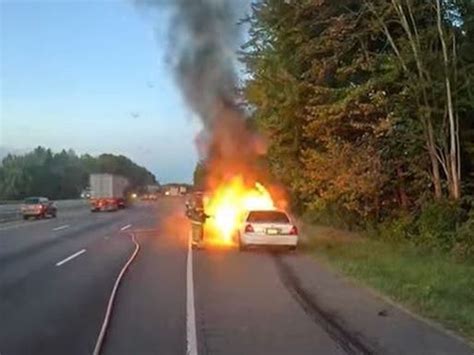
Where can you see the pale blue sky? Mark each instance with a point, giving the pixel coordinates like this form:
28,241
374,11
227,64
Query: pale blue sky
73,73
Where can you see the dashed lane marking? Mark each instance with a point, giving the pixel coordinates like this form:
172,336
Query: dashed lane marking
69,258
61,227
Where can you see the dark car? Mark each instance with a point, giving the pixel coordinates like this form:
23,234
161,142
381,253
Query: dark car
121,202
38,207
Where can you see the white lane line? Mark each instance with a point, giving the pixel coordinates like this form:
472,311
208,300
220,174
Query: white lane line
190,312
69,258
124,228
61,227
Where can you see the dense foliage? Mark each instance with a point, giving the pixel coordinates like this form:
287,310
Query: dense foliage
62,175
368,106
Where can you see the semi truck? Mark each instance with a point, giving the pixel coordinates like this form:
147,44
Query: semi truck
107,192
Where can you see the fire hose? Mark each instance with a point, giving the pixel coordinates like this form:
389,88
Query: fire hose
110,305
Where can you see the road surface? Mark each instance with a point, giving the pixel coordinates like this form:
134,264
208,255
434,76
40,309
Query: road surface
56,278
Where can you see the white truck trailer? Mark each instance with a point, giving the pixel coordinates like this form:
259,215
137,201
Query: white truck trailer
107,192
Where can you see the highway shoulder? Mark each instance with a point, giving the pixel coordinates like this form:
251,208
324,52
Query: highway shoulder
389,328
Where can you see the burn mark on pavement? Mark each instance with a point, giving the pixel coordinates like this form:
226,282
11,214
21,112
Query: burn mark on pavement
350,342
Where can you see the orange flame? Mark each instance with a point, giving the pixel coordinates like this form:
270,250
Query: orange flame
227,204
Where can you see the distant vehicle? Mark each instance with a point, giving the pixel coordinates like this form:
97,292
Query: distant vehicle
172,191
86,193
153,189
149,197
121,202
38,207
107,192
267,228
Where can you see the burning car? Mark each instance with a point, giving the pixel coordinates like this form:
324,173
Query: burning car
233,207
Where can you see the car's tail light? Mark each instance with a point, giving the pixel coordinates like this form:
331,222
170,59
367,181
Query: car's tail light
294,230
249,228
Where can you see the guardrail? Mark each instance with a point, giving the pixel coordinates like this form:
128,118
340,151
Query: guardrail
10,211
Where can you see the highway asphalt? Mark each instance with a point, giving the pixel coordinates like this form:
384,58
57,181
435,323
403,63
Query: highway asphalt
56,277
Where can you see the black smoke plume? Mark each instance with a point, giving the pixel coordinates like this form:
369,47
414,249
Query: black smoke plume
204,38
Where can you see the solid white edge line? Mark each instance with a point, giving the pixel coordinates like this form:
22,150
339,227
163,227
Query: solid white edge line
108,312
61,227
125,227
190,312
69,258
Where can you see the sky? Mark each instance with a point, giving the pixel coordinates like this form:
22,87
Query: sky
91,75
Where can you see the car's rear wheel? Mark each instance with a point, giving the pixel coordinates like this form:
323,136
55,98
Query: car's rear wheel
25,217
292,248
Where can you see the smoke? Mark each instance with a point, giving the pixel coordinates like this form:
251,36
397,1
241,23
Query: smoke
204,37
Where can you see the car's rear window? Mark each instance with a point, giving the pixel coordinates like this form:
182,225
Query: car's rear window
267,217
32,201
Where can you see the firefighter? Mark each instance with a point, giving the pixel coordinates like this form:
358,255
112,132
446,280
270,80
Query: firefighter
197,225
195,212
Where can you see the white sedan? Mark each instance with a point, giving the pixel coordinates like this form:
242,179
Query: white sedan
267,228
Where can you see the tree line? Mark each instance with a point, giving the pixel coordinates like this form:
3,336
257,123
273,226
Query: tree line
62,175
368,107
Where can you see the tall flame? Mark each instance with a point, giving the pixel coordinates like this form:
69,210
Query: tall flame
227,205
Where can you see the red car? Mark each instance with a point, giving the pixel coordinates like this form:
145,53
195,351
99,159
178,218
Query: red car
38,207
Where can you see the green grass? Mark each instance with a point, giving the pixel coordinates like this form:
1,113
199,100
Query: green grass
434,286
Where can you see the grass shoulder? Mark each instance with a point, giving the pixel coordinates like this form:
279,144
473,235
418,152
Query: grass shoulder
431,284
